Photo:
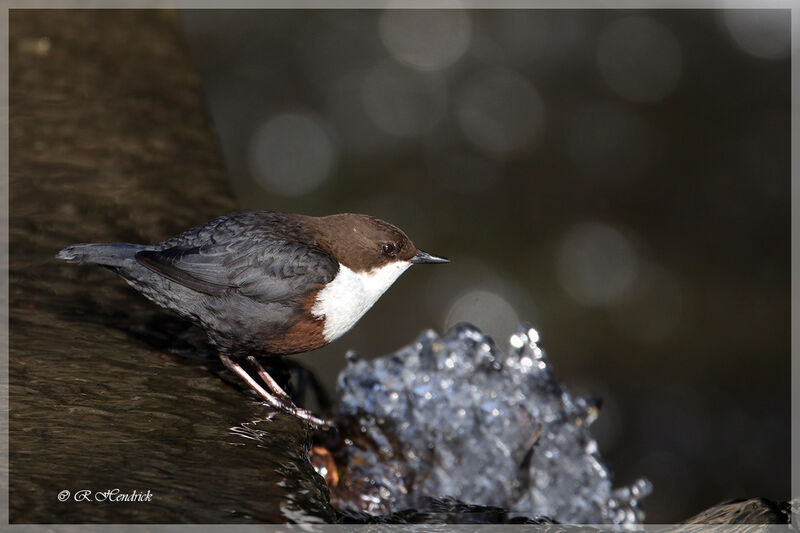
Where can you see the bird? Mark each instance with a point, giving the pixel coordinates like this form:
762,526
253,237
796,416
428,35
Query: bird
266,284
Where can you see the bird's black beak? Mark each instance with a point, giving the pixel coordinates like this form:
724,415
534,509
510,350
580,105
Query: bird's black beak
425,257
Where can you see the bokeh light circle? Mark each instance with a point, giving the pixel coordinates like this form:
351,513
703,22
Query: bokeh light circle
596,264
501,113
404,102
486,309
639,58
291,154
763,33
429,39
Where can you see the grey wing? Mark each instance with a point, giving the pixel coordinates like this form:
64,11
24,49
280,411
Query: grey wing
267,272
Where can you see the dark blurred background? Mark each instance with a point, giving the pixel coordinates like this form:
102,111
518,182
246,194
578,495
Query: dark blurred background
620,179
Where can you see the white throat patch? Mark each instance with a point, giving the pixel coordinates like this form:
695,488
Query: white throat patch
349,295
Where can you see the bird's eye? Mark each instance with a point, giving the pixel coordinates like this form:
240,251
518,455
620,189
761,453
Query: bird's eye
388,248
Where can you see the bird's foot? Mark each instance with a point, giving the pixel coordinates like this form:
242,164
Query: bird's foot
304,415
279,400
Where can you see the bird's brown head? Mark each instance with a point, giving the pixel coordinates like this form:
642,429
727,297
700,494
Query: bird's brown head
363,243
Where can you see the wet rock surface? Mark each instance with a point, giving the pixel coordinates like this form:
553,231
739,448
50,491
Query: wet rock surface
456,417
751,511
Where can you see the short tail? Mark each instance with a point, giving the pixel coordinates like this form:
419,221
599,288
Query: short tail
115,254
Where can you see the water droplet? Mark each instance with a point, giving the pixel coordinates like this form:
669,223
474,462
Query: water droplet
517,341
352,356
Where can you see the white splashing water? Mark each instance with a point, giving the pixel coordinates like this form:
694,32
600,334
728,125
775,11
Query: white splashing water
453,416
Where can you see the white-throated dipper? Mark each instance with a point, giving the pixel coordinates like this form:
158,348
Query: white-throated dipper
266,284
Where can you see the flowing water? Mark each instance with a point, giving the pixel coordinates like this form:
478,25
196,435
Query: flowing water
455,416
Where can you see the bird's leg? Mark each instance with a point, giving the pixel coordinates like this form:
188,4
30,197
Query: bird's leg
237,369
277,403
269,380
280,393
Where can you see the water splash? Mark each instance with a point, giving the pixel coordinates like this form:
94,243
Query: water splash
456,417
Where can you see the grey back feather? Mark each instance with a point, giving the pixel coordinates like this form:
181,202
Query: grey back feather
263,271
